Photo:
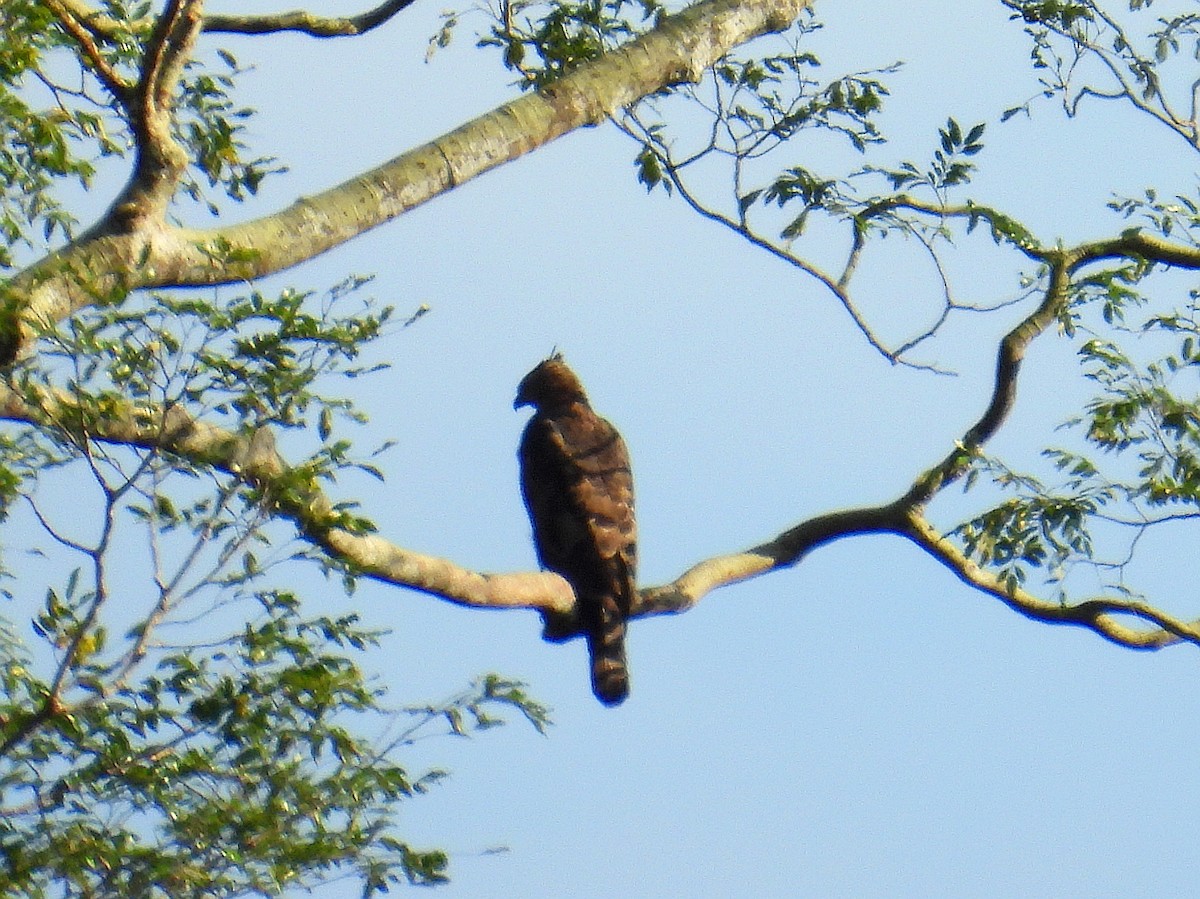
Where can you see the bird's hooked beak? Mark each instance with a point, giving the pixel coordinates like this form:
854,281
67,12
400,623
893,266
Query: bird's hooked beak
521,398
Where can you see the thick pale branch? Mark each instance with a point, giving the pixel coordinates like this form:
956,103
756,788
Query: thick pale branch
114,257
679,50
1109,617
780,552
255,461
165,54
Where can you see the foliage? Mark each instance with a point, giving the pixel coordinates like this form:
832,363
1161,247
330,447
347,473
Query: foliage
949,167
542,41
1144,423
61,118
248,750
211,130
36,147
217,772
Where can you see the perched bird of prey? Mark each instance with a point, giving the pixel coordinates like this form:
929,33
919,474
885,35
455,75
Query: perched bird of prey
578,488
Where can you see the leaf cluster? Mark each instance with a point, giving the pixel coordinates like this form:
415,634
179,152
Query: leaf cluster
212,127
237,769
772,98
1063,14
1177,216
543,41
39,147
838,198
1040,528
949,166
758,104
1142,410
253,360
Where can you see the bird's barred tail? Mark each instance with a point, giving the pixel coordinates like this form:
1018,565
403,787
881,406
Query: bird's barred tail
606,645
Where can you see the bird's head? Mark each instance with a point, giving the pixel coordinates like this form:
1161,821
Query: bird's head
551,383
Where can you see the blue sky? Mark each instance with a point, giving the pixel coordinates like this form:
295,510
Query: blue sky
860,725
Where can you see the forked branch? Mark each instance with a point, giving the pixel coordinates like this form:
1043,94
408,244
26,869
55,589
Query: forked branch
1112,617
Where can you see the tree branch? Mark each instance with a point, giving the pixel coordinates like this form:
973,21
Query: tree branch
1004,391
165,54
72,23
296,20
160,159
680,49
306,22
119,254
783,551
1137,244
1134,74
672,171
904,517
1103,615
254,461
